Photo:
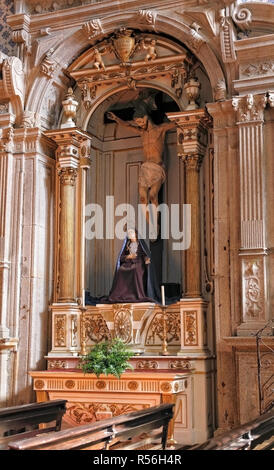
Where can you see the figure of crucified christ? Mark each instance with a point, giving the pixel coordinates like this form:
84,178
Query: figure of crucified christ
152,172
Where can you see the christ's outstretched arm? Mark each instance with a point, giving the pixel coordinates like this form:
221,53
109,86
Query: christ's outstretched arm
113,117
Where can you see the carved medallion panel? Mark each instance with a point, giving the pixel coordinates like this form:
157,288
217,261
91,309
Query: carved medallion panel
155,331
253,289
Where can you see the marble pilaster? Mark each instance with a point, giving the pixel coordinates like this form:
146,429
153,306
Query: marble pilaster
253,248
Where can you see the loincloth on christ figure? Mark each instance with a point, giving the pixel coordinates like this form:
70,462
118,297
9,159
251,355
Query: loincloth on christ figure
150,173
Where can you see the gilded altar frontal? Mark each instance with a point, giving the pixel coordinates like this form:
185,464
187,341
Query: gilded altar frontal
136,203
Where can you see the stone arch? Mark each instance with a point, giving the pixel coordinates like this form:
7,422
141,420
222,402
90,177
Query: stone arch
84,123
74,45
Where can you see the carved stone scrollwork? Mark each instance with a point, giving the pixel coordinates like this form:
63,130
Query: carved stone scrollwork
93,28
57,364
82,413
250,107
179,364
242,17
148,17
147,365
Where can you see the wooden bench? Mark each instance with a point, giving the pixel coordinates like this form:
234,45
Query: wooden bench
20,422
255,435
124,432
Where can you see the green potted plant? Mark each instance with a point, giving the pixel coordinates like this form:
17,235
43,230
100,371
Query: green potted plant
109,357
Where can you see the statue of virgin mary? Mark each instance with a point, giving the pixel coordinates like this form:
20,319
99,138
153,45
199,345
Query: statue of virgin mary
134,278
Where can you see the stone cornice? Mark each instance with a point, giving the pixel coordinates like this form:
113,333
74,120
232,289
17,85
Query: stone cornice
77,15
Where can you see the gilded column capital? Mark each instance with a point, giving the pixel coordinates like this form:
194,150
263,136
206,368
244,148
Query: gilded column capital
249,108
72,145
192,162
192,132
68,175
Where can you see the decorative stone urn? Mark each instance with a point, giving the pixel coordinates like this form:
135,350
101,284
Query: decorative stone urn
70,105
192,88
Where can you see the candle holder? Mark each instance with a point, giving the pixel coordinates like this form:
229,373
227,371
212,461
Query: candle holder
83,339
164,343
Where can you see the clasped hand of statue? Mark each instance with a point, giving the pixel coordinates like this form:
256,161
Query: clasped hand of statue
131,256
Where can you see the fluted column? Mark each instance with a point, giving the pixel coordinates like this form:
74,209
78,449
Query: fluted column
253,250
192,129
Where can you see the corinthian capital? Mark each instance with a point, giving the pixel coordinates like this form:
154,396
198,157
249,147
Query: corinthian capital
68,176
192,162
249,107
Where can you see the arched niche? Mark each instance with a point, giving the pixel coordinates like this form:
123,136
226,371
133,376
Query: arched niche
116,159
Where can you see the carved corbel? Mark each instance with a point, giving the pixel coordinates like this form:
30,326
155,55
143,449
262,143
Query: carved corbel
6,139
13,82
30,119
227,39
93,28
21,37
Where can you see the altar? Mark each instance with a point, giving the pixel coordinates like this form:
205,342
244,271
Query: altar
153,381
104,169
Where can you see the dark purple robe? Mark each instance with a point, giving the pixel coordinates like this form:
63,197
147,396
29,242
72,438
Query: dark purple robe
130,280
